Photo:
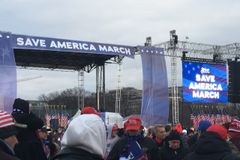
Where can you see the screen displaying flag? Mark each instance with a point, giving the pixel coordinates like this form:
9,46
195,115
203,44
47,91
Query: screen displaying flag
203,82
213,118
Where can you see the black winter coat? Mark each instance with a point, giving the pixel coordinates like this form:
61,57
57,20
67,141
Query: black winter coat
29,146
167,153
160,145
211,147
5,152
75,154
147,144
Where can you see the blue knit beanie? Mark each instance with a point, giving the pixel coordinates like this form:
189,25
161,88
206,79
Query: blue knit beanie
203,125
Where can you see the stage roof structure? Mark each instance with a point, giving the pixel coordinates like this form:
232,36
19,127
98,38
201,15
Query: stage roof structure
60,60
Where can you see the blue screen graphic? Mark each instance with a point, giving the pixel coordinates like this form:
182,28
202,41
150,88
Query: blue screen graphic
206,83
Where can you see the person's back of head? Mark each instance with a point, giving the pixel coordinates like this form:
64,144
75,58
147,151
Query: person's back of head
21,106
87,132
203,126
89,110
219,130
24,117
133,126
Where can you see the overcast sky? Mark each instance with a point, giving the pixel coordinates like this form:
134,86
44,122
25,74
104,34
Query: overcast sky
126,22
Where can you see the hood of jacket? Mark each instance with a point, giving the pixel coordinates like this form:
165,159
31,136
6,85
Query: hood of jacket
87,132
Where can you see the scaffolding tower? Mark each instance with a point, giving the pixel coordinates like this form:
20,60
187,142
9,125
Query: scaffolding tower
81,91
118,90
174,87
177,49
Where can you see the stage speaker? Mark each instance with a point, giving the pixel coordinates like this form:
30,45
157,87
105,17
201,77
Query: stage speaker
234,81
237,81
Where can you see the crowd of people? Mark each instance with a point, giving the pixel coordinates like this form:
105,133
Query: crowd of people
23,136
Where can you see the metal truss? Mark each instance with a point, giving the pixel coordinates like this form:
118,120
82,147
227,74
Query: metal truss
201,50
87,68
115,60
118,90
81,90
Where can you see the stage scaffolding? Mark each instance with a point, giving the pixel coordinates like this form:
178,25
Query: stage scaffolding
176,49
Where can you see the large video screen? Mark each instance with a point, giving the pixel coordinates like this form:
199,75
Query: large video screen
203,82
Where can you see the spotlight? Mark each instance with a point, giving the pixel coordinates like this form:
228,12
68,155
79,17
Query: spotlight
148,41
173,38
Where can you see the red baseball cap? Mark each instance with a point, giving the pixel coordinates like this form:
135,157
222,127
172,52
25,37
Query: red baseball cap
89,110
220,130
133,123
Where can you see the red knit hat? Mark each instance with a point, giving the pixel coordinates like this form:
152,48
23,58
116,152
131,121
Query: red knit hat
220,130
89,110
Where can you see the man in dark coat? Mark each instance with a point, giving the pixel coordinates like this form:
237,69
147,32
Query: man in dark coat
29,146
160,135
8,138
84,139
133,145
213,146
173,149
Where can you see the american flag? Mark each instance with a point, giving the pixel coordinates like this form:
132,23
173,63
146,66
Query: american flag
229,118
214,119
208,117
48,118
63,120
54,116
235,126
